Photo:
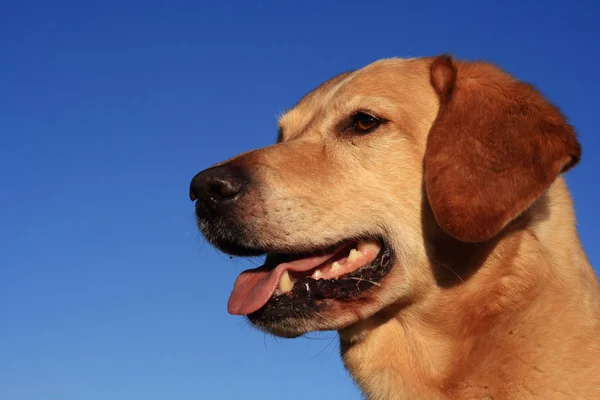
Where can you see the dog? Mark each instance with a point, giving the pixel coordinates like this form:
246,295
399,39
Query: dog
418,207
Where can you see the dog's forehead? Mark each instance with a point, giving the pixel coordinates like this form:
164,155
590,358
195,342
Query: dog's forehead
374,80
304,110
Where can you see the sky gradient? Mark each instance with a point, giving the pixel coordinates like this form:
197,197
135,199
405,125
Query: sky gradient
107,291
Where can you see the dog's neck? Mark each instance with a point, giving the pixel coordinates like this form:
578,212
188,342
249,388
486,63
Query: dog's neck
489,321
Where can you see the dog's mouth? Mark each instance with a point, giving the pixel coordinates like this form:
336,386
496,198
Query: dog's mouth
291,280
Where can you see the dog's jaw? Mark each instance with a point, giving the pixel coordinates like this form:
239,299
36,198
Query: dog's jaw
324,304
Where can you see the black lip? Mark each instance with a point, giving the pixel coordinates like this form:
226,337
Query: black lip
235,249
307,293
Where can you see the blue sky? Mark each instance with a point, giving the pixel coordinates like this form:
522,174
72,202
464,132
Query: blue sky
107,110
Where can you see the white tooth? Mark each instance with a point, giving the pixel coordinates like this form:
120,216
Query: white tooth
354,254
370,246
317,274
285,283
336,266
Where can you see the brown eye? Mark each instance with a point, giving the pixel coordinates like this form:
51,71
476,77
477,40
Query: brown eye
364,123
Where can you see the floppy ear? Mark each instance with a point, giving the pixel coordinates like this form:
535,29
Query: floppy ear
494,148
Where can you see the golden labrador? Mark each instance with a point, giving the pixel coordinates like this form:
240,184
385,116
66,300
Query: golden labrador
417,207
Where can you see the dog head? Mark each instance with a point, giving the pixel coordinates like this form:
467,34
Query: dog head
369,168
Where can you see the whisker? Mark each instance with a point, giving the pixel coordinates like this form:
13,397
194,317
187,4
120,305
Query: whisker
450,269
363,280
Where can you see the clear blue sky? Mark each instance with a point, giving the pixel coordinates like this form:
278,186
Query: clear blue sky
107,291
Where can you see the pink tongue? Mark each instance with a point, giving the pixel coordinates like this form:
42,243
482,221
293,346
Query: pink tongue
254,287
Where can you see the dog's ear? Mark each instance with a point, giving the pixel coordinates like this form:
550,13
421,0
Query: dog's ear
494,148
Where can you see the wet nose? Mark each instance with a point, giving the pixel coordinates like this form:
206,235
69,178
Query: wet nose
217,186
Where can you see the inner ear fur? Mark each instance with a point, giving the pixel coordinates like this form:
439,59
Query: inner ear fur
496,145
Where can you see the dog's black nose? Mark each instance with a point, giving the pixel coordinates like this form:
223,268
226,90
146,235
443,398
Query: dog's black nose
217,185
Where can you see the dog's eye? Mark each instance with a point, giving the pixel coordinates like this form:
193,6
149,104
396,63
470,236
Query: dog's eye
364,123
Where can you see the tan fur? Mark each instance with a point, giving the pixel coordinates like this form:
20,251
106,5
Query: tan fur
513,317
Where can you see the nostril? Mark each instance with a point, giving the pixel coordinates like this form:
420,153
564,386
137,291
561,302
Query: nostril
215,187
224,188
217,184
